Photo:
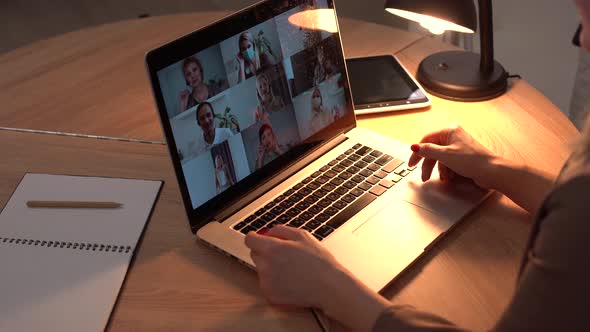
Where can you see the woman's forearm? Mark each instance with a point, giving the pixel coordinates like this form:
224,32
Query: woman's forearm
524,185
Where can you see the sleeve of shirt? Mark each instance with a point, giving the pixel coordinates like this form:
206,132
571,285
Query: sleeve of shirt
553,291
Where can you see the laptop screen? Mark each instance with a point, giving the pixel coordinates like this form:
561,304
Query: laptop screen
250,103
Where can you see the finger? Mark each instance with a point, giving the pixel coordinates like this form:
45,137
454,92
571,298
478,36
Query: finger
443,172
286,232
433,151
427,167
260,243
439,137
415,157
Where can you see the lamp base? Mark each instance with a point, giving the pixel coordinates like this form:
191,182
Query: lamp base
456,75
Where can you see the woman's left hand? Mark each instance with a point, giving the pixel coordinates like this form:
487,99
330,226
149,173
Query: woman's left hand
295,269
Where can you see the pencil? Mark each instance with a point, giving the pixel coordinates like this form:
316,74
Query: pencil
73,204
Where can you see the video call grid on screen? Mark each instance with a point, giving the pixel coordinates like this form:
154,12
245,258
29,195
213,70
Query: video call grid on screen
258,94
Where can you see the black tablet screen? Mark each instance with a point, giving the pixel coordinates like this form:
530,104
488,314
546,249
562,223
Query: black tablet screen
381,79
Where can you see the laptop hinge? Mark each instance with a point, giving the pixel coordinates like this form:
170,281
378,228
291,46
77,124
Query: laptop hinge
280,177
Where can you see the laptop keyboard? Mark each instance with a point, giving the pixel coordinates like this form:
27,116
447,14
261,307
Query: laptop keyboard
332,195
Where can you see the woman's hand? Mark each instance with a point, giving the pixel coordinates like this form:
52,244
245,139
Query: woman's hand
294,269
457,153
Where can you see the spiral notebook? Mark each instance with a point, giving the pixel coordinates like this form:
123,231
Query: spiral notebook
62,268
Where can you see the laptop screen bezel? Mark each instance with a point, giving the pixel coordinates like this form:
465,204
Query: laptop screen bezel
201,39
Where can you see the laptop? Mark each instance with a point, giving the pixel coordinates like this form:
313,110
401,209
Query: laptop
259,121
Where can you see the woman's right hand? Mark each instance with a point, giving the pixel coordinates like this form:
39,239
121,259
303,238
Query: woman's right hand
457,153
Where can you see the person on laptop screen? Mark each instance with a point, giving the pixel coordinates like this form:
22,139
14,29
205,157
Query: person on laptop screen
212,135
552,293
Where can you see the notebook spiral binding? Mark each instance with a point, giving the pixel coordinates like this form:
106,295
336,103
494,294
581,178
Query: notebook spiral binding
69,245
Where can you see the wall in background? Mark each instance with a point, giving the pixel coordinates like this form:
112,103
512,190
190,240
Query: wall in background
532,36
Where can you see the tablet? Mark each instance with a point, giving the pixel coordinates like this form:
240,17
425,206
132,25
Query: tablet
382,84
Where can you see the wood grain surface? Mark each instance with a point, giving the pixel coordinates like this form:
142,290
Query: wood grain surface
92,81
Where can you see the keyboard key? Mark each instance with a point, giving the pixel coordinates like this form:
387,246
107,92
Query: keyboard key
305,227
333,162
280,198
247,229
386,183
395,178
350,184
361,164
289,192
315,209
287,203
250,218
317,236
357,146
339,205
330,174
324,168
331,211
324,231
365,186
322,217
363,151
325,203
270,205
329,187
345,163
392,165
412,168
323,179
258,224
278,210
298,186
307,179
306,215
369,158
376,153
352,210
400,169
342,156
313,224
338,168
380,174
405,172
373,180
377,190
354,157
366,173
348,198
310,199
333,196
297,196
349,151
302,206
384,159
337,181
293,212
296,223
239,225
268,217
260,212
283,219
320,193
305,191
341,190
357,192
374,167
313,185
353,170
358,178
345,175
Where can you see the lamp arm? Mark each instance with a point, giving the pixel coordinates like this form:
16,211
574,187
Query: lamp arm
486,35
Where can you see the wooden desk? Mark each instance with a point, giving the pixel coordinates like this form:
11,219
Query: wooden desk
92,81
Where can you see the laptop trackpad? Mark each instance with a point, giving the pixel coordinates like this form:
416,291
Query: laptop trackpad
450,200
400,224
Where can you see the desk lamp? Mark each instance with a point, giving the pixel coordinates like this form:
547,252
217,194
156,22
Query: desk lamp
456,75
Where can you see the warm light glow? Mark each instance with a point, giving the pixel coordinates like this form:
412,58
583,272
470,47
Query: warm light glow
316,19
435,25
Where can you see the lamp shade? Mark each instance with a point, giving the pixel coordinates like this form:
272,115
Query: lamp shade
438,15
